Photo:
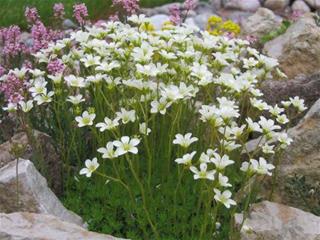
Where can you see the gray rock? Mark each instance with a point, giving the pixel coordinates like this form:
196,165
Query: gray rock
37,147
202,20
217,4
272,221
158,20
260,23
164,9
242,5
298,50
69,24
276,4
34,194
31,226
300,6
306,87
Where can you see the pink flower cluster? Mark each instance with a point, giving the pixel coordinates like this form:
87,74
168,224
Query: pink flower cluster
55,66
175,14
130,6
31,15
10,38
12,88
190,4
58,10
80,12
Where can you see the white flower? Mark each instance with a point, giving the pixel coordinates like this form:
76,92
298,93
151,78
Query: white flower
108,124
221,162
160,106
224,198
86,119
138,19
91,166
260,167
184,141
186,159
203,173
267,125
253,126
259,104
268,149
90,60
26,106
11,107
284,139
276,110
39,87
224,181
75,100
126,116
44,98
126,145
298,103
143,129
108,66
73,81
108,151
282,119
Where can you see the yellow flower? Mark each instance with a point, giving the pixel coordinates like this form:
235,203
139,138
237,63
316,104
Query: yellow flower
167,25
230,26
148,27
214,20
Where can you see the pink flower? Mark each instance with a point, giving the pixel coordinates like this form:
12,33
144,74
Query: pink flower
58,10
80,12
114,17
12,87
2,70
31,15
175,14
10,38
130,6
55,66
190,4
251,39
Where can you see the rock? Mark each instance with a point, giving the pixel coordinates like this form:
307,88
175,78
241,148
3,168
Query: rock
305,87
40,150
314,3
204,8
298,50
69,24
217,4
272,221
301,158
276,4
34,194
158,20
300,6
31,226
243,5
260,23
201,20
236,16
164,9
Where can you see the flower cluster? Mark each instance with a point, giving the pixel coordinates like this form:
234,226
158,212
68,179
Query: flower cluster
130,6
216,26
156,98
80,12
58,10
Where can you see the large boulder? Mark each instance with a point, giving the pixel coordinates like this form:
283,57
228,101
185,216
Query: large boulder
305,87
300,6
243,5
28,191
298,50
276,4
38,147
300,159
314,3
31,226
261,23
272,221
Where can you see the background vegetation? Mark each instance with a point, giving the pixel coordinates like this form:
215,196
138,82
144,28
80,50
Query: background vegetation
12,11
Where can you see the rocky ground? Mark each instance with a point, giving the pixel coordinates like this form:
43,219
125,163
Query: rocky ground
298,185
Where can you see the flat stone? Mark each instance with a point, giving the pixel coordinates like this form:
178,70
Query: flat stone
272,221
276,4
300,6
34,194
243,5
31,226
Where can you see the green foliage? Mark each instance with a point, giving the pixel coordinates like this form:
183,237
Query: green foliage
275,33
13,10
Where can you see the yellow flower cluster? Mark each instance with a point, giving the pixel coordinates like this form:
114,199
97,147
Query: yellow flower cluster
216,26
